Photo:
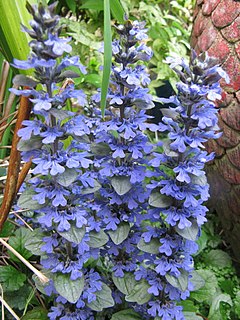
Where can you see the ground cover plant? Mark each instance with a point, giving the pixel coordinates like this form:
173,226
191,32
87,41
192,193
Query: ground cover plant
112,219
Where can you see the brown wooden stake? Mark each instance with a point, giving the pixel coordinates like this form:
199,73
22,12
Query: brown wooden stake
14,163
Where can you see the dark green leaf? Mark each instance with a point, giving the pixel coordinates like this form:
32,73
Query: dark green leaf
89,190
66,178
121,184
97,239
121,234
37,313
101,149
34,242
140,293
168,151
199,180
68,74
25,201
11,279
217,258
69,289
18,299
107,55
181,282
74,234
128,314
7,230
103,299
150,247
18,243
159,200
24,81
125,284
189,233
34,142
210,288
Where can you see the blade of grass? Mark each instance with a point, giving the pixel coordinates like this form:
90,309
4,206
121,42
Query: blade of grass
107,55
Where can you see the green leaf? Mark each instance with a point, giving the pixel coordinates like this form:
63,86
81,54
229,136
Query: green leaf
20,80
11,16
67,178
189,233
39,284
103,299
26,201
121,184
71,5
180,282
125,284
18,299
208,291
214,312
92,4
11,279
218,258
34,242
74,234
202,241
188,306
140,293
7,230
117,10
97,239
150,247
121,234
191,316
107,55
89,190
71,290
18,243
127,314
37,313
34,142
197,281
159,200
101,149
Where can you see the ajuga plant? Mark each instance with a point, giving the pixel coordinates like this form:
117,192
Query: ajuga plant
113,246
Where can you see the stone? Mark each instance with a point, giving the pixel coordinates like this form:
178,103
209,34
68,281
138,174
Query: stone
228,171
230,138
199,25
209,6
207,37
233,66
233,155
231,115
213,146
237,49
232,32
225,13
219,49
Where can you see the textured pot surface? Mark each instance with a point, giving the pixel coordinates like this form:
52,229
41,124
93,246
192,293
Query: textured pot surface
216,29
